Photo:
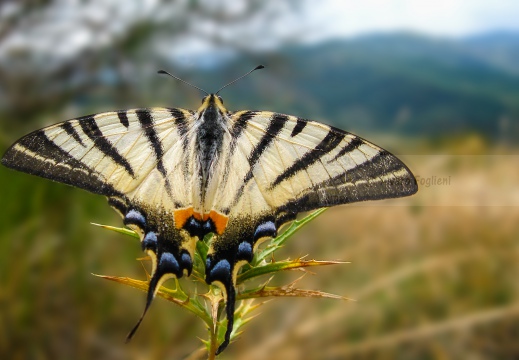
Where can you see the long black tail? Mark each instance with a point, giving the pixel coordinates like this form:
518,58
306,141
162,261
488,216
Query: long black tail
154,281
229,309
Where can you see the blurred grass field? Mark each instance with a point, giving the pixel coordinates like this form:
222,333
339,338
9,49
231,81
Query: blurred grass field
429,281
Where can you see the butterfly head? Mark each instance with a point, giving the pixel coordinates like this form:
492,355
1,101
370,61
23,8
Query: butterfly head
213,101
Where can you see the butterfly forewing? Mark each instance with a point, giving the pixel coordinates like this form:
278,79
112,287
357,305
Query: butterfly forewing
110,153
298,165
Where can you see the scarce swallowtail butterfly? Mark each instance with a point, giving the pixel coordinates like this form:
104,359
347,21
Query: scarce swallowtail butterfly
176,175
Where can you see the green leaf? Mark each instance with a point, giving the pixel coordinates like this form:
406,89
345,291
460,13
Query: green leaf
176,296
124,231
287,290
274,267
278,242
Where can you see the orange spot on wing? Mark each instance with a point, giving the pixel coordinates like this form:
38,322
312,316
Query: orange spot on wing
181,216
220,221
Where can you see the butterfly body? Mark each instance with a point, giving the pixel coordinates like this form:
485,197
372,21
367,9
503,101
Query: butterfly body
176,175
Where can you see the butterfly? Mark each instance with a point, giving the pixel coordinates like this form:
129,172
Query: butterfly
176,175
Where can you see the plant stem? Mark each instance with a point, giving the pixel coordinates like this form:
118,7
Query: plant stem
213,331
213,345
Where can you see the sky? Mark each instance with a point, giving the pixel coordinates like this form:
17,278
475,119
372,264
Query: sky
68,26
445,18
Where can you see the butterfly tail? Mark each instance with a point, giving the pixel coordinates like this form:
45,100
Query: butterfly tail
154,281
229,310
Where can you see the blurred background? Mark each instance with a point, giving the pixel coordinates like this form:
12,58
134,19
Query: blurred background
434,276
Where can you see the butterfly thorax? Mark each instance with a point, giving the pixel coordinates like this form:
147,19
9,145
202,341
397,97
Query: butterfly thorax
210,126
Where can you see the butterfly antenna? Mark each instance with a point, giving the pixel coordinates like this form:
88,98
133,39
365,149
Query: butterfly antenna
184,81
241,77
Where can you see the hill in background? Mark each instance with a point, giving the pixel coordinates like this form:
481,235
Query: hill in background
400,83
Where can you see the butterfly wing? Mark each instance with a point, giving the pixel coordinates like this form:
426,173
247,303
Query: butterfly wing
278,166
255,170
282,164
308,165
113,153
122,155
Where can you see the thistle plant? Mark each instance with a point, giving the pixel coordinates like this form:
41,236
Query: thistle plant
207,301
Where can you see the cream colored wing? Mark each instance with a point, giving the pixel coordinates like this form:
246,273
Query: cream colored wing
284,164
117,154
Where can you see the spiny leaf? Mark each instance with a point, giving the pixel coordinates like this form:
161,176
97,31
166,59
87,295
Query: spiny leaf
266,291
240,319
118,229
278,242
274,267
177,296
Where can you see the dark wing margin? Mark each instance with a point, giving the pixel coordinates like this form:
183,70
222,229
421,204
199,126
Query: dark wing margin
36,154
388,178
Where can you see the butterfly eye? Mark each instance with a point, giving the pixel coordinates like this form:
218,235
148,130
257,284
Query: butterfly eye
220,98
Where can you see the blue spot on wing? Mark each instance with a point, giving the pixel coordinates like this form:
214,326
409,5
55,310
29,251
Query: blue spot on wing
244,251
222,270
168,263
267,228
150,242
134,217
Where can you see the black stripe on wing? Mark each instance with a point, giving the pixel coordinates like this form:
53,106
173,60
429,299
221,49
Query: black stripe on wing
330,142
90,128
146,121
182,128
123,118
300,125
275,126
381,164
180,122
237,129
352,145
70,130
